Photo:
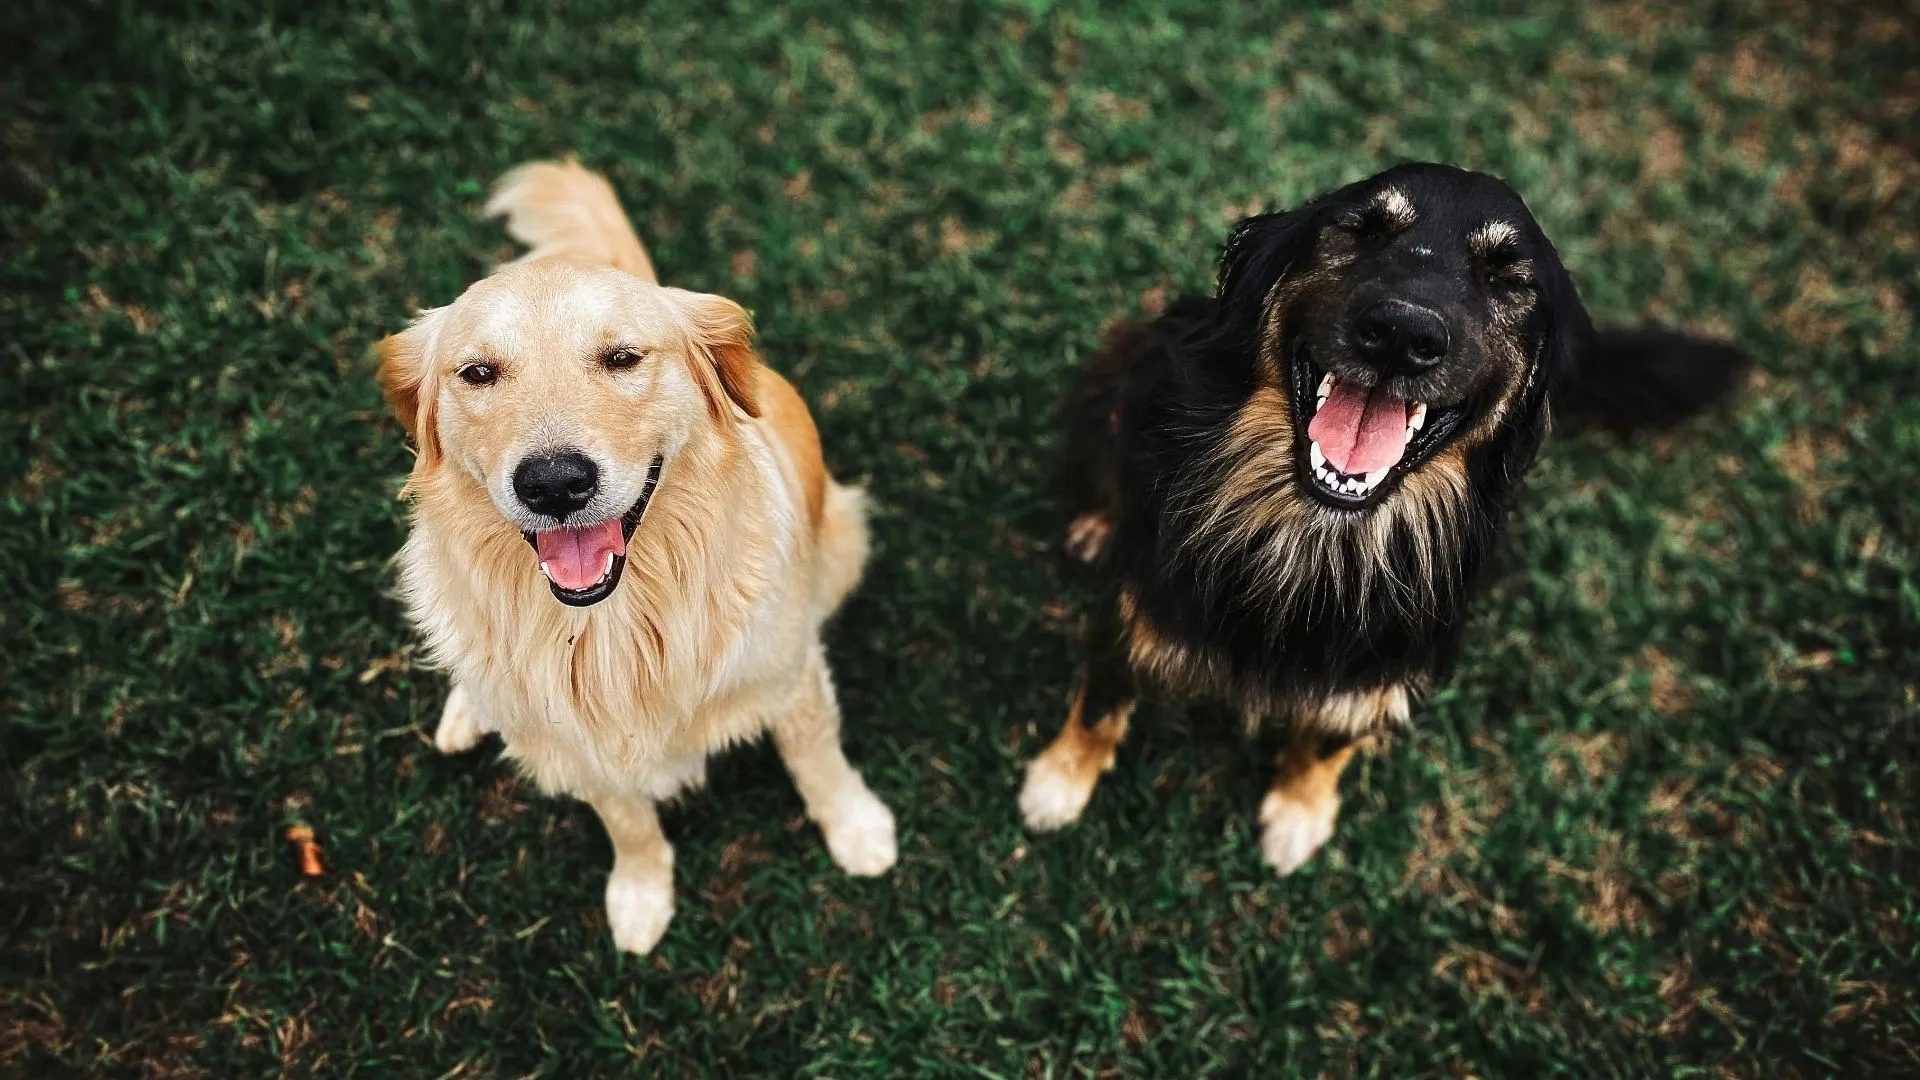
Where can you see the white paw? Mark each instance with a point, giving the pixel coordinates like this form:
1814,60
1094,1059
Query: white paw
1290,831
460,729
1055,795
639,907
860,834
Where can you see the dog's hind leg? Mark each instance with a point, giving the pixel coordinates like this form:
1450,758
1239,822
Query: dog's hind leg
843,542
857,825
640,888
1061,780
1298,814
1087,535
461,727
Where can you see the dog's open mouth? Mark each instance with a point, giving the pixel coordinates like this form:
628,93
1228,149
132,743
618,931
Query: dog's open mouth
1360,439
583,563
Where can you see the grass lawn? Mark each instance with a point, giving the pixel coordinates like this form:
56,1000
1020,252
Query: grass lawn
1662,821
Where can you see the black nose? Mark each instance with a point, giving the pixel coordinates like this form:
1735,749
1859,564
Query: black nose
556,485
1394,334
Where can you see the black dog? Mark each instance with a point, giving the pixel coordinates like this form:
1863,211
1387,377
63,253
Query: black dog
1297,482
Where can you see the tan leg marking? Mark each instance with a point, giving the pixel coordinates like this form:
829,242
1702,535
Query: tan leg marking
1087,536
1298,813
1297,816
1061,780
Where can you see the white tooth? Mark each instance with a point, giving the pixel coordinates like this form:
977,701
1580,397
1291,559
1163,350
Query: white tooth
1419,418
607,569
1317,455
1326,386
1374,478
544,570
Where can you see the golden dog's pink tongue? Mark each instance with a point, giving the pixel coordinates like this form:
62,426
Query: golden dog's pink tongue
1361,430
575,559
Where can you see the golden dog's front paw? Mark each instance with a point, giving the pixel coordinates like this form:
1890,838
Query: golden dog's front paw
639,907
860,834
460,729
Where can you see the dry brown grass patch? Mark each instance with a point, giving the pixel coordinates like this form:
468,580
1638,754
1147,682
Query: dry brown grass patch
1482,974
956,239
1665,156
726,891
501,800
1597,756
1667,690
1610,902
1803,457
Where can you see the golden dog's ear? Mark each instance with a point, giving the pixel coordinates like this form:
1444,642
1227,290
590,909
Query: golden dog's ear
723,331
403,377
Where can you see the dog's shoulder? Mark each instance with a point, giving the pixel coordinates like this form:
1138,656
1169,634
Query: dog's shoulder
785,416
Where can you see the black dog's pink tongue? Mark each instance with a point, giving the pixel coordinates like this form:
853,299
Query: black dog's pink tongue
1360,430
576,559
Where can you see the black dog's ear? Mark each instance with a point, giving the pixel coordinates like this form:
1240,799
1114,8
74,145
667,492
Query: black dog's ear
1566,337
1569,330
1263,249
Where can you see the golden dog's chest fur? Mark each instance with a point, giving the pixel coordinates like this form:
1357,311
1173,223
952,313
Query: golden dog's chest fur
727,585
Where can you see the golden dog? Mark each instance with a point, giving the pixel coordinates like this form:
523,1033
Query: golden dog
624,540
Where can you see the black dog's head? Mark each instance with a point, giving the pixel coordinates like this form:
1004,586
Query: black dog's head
1405,317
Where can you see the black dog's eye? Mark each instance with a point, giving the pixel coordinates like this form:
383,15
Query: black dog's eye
620,359
477,374
1510,278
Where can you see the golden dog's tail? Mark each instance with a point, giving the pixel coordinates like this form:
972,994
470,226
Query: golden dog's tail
843,543
560,208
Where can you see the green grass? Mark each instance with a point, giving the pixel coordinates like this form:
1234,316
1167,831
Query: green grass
1660,823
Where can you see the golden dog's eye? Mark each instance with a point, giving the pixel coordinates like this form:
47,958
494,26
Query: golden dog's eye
478,374
620,359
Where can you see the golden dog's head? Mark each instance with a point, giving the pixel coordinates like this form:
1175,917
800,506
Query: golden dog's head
563,392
